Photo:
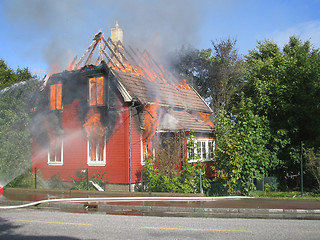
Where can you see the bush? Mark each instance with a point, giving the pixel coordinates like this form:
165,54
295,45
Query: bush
162,177
26,180
83,179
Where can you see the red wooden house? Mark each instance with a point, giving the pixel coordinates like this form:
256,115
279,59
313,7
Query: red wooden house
105,117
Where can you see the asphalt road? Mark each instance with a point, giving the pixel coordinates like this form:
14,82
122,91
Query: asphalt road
43,224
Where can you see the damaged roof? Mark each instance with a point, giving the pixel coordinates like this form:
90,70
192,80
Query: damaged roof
168,94
140,79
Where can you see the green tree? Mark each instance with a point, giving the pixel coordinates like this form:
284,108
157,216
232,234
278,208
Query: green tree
216,73
9,77
15,115
312,157
285,87
192,64
242,154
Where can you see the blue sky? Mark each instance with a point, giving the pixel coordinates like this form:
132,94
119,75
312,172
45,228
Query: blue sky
40,33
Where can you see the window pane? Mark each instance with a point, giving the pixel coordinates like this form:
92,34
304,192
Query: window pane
92,149
96,147
56,96
93,92
198,149
52,97
55,150
203,150
96,91
100,91
59,96
210,146
100,149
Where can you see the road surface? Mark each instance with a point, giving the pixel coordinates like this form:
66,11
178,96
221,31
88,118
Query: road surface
45,224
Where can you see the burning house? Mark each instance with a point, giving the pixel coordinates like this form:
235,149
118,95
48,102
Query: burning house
105,114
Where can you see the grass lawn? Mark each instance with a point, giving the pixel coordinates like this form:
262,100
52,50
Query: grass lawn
288,195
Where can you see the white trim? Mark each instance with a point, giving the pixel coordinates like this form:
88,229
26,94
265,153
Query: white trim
61,157
96,163
202,99
123,91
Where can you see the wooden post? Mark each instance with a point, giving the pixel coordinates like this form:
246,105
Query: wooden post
201,189
87,176
35,178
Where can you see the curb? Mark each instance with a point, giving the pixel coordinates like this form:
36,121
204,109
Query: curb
166,211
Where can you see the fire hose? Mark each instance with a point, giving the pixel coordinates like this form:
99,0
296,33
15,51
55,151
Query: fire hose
119,199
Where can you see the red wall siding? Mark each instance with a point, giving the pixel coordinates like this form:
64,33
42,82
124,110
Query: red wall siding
118,150
75,149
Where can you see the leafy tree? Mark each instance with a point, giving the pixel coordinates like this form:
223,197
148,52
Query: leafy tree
225,74
216,73
15,117
191,64
285,87
9,77
313,165
242,153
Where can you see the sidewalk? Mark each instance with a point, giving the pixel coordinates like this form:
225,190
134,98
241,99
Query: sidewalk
163,204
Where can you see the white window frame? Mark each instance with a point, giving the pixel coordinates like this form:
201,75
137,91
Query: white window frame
97,163
56,163
205,141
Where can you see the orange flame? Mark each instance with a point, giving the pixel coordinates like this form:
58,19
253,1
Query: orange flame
150,124
56,96
54,69
71,64
206,118
148,70
184,85
54,143
151,71
95,132
96,91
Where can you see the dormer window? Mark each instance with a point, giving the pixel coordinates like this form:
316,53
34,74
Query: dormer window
56,96
96,93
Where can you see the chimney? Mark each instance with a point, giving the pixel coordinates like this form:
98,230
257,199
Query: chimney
116,34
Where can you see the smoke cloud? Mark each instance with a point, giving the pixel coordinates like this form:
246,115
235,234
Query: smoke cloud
58,27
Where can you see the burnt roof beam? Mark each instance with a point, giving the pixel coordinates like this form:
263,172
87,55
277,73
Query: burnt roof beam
118,49
113,53
109,58
94,43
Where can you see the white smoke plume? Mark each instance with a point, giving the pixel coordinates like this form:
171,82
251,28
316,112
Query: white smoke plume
58,27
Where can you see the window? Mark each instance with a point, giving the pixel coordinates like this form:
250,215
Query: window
55,153
96,96
146,150
97,151
56,97
204,150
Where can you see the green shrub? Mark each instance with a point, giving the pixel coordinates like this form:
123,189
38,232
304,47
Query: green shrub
83,179
26,180
162,177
